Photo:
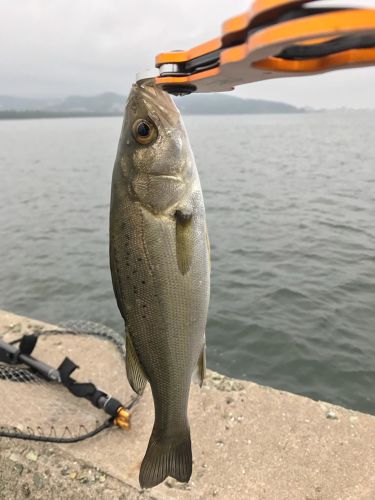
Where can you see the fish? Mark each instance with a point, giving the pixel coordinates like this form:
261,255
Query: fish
160,267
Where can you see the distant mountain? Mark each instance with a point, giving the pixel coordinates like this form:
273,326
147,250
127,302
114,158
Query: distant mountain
223,104
109,102
112,104
23,103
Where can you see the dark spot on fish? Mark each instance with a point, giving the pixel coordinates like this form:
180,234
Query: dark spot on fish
183,217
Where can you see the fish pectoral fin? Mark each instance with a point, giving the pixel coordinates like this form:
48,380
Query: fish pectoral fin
184,240
134,371
200,370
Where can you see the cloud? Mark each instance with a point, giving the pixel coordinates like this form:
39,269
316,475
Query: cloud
90,46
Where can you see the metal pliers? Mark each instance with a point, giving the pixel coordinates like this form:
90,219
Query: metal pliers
274,39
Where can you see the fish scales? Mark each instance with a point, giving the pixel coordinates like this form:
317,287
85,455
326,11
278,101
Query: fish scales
159,256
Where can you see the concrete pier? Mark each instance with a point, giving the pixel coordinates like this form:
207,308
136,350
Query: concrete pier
249,442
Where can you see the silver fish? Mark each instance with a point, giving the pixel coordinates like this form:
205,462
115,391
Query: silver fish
160,265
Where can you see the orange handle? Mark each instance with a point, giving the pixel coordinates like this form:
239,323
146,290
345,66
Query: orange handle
274,39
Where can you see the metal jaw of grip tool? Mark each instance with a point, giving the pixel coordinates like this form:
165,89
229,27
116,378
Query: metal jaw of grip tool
274,39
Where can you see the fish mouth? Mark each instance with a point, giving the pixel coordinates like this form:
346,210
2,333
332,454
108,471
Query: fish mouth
158,103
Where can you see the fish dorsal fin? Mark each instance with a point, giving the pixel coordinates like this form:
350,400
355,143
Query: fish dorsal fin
136,376
200,370
184,240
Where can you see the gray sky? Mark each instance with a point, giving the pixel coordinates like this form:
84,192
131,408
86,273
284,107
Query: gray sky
62,47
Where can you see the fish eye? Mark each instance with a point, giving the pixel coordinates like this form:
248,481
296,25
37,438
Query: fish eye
144,131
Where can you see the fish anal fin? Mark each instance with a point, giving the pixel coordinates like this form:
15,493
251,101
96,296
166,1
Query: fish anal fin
200,370
184,240
136,376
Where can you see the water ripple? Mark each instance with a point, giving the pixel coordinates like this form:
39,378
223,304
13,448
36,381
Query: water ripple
290,209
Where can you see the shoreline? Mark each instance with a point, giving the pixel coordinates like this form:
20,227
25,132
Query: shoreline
249,442
41,115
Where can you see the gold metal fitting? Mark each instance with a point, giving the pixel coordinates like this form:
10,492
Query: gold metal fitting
123,418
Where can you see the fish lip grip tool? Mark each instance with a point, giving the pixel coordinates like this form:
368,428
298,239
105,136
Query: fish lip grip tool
274,39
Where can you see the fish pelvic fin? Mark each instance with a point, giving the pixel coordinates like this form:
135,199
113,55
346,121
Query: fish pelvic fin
134,371
184,240
166,457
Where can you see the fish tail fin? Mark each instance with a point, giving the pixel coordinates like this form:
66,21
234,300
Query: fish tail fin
166,457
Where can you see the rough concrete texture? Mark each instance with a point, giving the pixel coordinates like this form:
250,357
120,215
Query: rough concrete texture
249,442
